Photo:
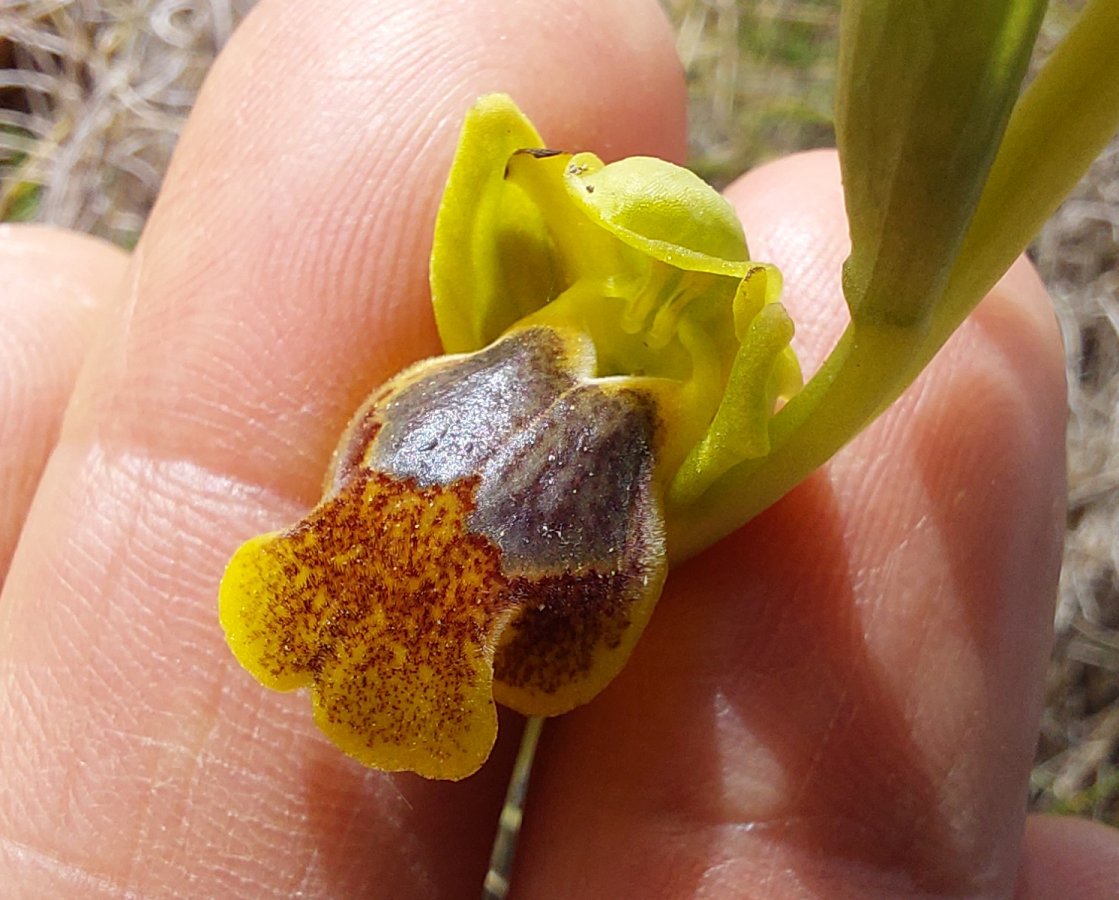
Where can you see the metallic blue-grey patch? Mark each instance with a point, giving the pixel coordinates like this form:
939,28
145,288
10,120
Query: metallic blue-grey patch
445,425
565,493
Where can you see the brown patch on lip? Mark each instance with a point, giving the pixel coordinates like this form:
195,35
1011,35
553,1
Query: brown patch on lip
571,633
386,607
571,504
442,422
563,621
439,420
566,493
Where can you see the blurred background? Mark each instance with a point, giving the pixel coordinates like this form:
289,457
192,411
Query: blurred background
94,92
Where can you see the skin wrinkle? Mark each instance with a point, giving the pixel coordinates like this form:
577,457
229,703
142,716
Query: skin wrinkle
872,477
962,673
903,556
169,756
47,317
37,719
74,877
276,833
1017,495
814,765
143,485
198,761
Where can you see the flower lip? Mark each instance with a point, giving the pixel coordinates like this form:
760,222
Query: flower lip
489,516
494,524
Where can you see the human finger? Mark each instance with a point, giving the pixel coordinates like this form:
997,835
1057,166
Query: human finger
1064,856
282,275
53,285
841,697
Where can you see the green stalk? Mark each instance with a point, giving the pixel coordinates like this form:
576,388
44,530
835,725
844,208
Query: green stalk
922,260
1061,124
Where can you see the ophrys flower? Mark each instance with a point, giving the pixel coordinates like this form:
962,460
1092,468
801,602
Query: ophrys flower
496,523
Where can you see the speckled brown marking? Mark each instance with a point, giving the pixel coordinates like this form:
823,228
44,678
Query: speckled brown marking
388,608
562,623
566,468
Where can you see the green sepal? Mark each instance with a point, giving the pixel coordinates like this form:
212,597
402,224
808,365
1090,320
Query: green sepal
491,258
925,91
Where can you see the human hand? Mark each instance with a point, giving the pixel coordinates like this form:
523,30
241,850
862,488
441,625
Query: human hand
838,700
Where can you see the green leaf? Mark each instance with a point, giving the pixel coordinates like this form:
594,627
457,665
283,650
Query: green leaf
1065,118
925,91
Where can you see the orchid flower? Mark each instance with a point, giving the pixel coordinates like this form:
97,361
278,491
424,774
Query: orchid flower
619,390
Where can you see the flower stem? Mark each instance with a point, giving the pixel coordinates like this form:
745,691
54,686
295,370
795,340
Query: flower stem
496,885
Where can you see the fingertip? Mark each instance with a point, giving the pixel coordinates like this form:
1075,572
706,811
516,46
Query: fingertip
53,284
808,180
1064,856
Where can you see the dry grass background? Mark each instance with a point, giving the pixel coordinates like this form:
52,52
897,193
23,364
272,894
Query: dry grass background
93,93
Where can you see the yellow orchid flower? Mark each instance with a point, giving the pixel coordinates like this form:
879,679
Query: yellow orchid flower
620,390
494,521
